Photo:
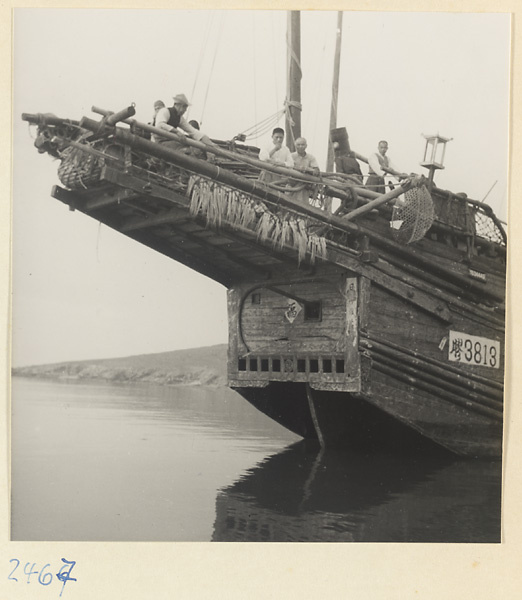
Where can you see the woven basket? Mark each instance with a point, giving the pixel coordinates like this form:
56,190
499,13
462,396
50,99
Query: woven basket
79,170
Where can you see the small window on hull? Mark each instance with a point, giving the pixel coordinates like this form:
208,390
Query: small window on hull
313,311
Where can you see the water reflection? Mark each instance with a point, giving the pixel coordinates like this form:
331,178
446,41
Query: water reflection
98,462
302,494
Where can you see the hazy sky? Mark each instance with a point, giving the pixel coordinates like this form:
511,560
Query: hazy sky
81,290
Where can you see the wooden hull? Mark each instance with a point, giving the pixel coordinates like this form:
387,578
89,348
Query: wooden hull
377,424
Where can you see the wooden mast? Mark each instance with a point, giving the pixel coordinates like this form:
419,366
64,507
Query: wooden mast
293,115
335,90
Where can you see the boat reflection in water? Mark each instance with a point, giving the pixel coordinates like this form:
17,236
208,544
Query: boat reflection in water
303,494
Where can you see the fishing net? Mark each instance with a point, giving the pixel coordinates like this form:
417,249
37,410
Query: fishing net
412,218
79,170
487,228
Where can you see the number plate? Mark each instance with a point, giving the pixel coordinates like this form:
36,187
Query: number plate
473,350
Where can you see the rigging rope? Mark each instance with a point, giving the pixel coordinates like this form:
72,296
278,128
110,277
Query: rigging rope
213,63
259,129
254,70
319,86
274,56
202,53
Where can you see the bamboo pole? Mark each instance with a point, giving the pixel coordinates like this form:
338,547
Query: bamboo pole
357,212
47,119
214,172
255,162
42,119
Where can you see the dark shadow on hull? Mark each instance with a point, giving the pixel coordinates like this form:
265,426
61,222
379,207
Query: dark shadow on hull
347,422
301,494
285,403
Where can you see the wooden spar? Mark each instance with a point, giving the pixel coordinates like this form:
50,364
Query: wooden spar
335,90
121,115
47,119
357,212
293,101
216,173
258,189
361,191
229,178
332,185
283,171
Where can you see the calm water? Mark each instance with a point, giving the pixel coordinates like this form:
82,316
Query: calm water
93,462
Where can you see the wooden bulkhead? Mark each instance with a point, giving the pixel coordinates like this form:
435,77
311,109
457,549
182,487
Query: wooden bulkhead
296,329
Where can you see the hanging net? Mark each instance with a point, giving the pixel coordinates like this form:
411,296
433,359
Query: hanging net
412,218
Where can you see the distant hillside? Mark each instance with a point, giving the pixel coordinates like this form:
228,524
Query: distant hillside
195,366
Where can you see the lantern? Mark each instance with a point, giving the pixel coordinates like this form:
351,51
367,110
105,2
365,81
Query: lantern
434,153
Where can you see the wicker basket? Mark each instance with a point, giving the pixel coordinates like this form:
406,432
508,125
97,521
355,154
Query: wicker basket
79,170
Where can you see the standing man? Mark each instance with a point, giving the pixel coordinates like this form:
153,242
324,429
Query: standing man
170,119
306,163
276,154
347,163
302,160
378,161
158,105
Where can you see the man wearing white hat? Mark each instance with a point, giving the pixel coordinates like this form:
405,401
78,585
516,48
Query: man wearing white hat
170,119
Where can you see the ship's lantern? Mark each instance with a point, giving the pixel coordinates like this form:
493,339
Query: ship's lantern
434,153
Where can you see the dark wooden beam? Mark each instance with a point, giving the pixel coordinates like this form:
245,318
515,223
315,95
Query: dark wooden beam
87,203
193,262
214,249
170,217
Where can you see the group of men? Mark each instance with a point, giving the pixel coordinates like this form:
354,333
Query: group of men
275,153
279,155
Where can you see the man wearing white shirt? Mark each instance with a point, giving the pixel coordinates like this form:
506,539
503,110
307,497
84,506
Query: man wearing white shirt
276,154
378,161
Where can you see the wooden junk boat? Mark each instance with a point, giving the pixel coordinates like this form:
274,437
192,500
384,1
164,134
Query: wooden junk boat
378,325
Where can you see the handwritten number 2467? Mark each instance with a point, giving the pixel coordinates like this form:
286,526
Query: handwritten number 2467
45,578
